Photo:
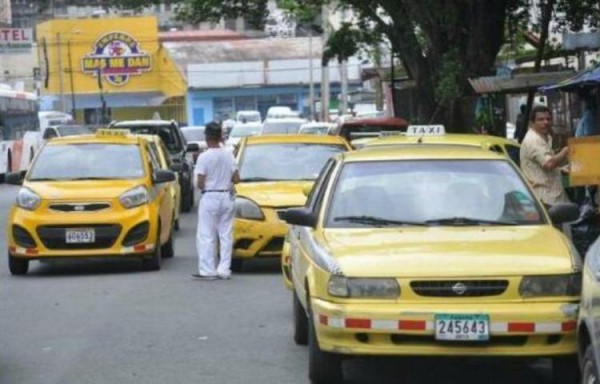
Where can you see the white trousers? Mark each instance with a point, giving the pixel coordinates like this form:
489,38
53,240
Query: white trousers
215,231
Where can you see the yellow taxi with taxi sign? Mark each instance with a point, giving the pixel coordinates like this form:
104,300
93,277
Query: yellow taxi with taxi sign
431,251
436,134
274,170
101,195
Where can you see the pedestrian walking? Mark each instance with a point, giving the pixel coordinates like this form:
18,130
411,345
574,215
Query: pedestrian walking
540,164
216,172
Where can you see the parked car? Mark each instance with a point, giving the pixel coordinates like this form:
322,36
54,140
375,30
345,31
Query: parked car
431,251
171,135
372,127
283,126
315,128
53,131
101,195
194,135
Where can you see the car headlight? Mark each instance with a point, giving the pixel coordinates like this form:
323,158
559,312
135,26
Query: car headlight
382,288
27,199
247,209
552,285
134,197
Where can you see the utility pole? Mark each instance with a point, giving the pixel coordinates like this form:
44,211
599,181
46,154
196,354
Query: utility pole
71,78
343,105
311,89
325,67
61,89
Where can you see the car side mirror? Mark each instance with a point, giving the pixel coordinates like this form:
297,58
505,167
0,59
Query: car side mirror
176,167
14,178
563,213
163,176
307,188
193,147
299,216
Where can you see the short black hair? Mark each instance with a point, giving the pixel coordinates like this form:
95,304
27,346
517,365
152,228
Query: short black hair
538,109
212,131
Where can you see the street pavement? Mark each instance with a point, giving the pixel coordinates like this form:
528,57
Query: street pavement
107,321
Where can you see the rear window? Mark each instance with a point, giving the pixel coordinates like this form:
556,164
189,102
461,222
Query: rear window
168,134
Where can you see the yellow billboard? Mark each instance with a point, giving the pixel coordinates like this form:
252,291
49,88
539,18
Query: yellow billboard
109,55
584,158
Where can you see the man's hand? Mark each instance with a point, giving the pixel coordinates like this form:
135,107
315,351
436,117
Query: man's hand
556,160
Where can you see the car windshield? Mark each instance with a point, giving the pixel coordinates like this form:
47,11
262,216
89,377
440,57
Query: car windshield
243,130
73,130
294,161
166,132
281,127
315,130
193,134
431,192
87,162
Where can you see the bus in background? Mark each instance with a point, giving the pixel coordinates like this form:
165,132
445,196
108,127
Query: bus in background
50,118
19,129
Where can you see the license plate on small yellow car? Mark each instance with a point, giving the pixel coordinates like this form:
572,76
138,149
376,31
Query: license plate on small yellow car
80,235
462,327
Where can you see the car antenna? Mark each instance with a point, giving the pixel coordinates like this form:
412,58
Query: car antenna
420,139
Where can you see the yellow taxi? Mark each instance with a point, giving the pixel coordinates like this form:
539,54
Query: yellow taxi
274,170
101,195
432,135
431,251
161,153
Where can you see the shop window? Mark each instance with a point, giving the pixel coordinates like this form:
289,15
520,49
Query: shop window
245,103
223,108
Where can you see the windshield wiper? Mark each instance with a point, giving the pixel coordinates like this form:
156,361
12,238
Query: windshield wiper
250,179
459,221
91,178
373,220
45,179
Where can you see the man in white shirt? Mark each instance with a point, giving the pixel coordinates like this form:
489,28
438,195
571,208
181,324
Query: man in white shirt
539,163
216,172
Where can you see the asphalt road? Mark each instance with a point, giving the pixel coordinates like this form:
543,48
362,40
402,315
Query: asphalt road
107,321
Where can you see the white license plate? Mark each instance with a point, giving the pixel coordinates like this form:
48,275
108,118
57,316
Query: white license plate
79,236
462,327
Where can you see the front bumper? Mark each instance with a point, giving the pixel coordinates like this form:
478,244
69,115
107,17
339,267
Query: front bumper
516,329
259,238
48,232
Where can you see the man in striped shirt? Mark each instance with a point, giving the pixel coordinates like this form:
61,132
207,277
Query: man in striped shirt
540,164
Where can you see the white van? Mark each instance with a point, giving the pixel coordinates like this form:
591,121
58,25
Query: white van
280,112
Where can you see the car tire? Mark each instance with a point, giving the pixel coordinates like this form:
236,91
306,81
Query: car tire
152,263
323,367
300,321
237,265
168,248
187,200
590,374
17,266
565,370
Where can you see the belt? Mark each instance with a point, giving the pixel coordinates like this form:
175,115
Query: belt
215,190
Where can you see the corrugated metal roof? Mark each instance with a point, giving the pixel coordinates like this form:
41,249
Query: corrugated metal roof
200,35
184,53
517,83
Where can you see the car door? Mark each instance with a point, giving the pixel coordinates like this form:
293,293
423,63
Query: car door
302,238
163,197
591,297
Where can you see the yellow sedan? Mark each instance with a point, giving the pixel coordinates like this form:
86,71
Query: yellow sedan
274,171
431,251
99,195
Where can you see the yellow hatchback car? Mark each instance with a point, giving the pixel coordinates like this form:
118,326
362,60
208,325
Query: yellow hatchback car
101,195
431,251
274,170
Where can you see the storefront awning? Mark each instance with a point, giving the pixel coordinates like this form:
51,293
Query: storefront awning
517,83
119,100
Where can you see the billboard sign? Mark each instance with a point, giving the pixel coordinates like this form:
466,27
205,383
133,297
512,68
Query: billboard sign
116,57
16,40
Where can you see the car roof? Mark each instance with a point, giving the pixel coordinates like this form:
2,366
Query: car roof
276,139
316,125
194,128
95,138
127,123
424,152
285,120
452,138
378,121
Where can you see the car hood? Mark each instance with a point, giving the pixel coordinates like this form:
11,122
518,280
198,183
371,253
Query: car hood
82,190
274,194
450,252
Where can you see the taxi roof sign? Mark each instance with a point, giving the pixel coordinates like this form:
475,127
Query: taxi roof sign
426,130
112,132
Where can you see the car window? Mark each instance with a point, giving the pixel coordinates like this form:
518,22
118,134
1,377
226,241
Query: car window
315,193
168,134
281,127
154,155
428,191
87,161
514,152
73,130
291,161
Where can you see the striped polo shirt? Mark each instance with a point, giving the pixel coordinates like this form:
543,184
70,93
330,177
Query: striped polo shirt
535,151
